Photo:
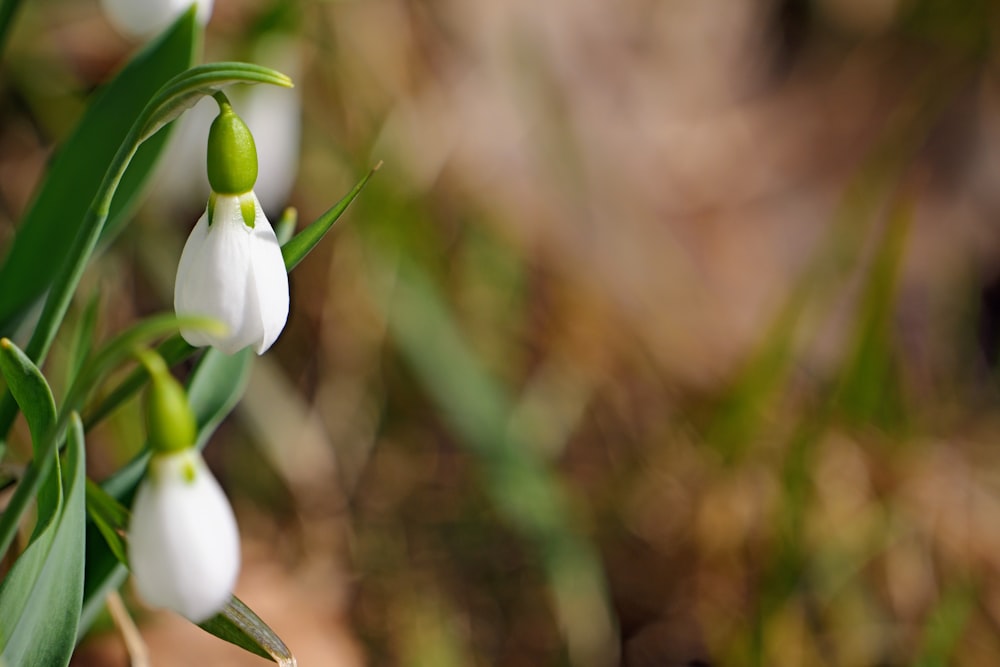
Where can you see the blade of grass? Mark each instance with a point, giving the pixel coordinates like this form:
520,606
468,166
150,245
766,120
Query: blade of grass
525,491
302,243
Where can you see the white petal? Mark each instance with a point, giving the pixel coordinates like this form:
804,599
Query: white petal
184,546
212,277
268,281
141,18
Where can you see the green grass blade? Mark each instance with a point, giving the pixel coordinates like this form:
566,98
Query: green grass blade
239,625
45,236
29,388
945,626
110,517
83,338
526,492
870,389
299,246
40,597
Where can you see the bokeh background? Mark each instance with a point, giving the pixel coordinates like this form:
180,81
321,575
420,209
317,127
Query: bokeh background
666,334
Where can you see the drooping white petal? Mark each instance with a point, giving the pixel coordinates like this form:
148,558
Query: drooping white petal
184,546
236,275
212,275
268,281
141,18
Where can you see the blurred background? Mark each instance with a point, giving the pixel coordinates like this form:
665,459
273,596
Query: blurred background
667,333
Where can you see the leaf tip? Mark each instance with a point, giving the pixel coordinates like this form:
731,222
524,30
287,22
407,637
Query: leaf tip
6,343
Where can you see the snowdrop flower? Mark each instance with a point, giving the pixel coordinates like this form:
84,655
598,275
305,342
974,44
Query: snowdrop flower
231,268
142,18
184,546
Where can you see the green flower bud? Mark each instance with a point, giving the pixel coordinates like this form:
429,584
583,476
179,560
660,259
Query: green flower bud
232,154
169,420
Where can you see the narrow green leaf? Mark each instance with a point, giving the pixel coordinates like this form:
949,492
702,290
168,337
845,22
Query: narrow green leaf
184,90
239,625
871,389
526,492
110,517
29,388
945,626
40,597
45,236
83,337
295,250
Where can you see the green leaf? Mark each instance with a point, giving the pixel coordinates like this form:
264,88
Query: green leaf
239,625
184,90
29,388
45,236
110,517
945,625
870,391
295,250
527,493
83,337
40,597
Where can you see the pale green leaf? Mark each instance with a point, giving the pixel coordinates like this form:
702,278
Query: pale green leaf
40,597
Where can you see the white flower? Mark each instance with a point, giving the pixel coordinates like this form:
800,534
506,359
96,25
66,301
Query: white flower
141,18
184,547
233,273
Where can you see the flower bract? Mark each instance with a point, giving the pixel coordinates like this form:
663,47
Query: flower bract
233,272
184,546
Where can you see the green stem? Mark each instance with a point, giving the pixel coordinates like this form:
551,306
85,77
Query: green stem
68,278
